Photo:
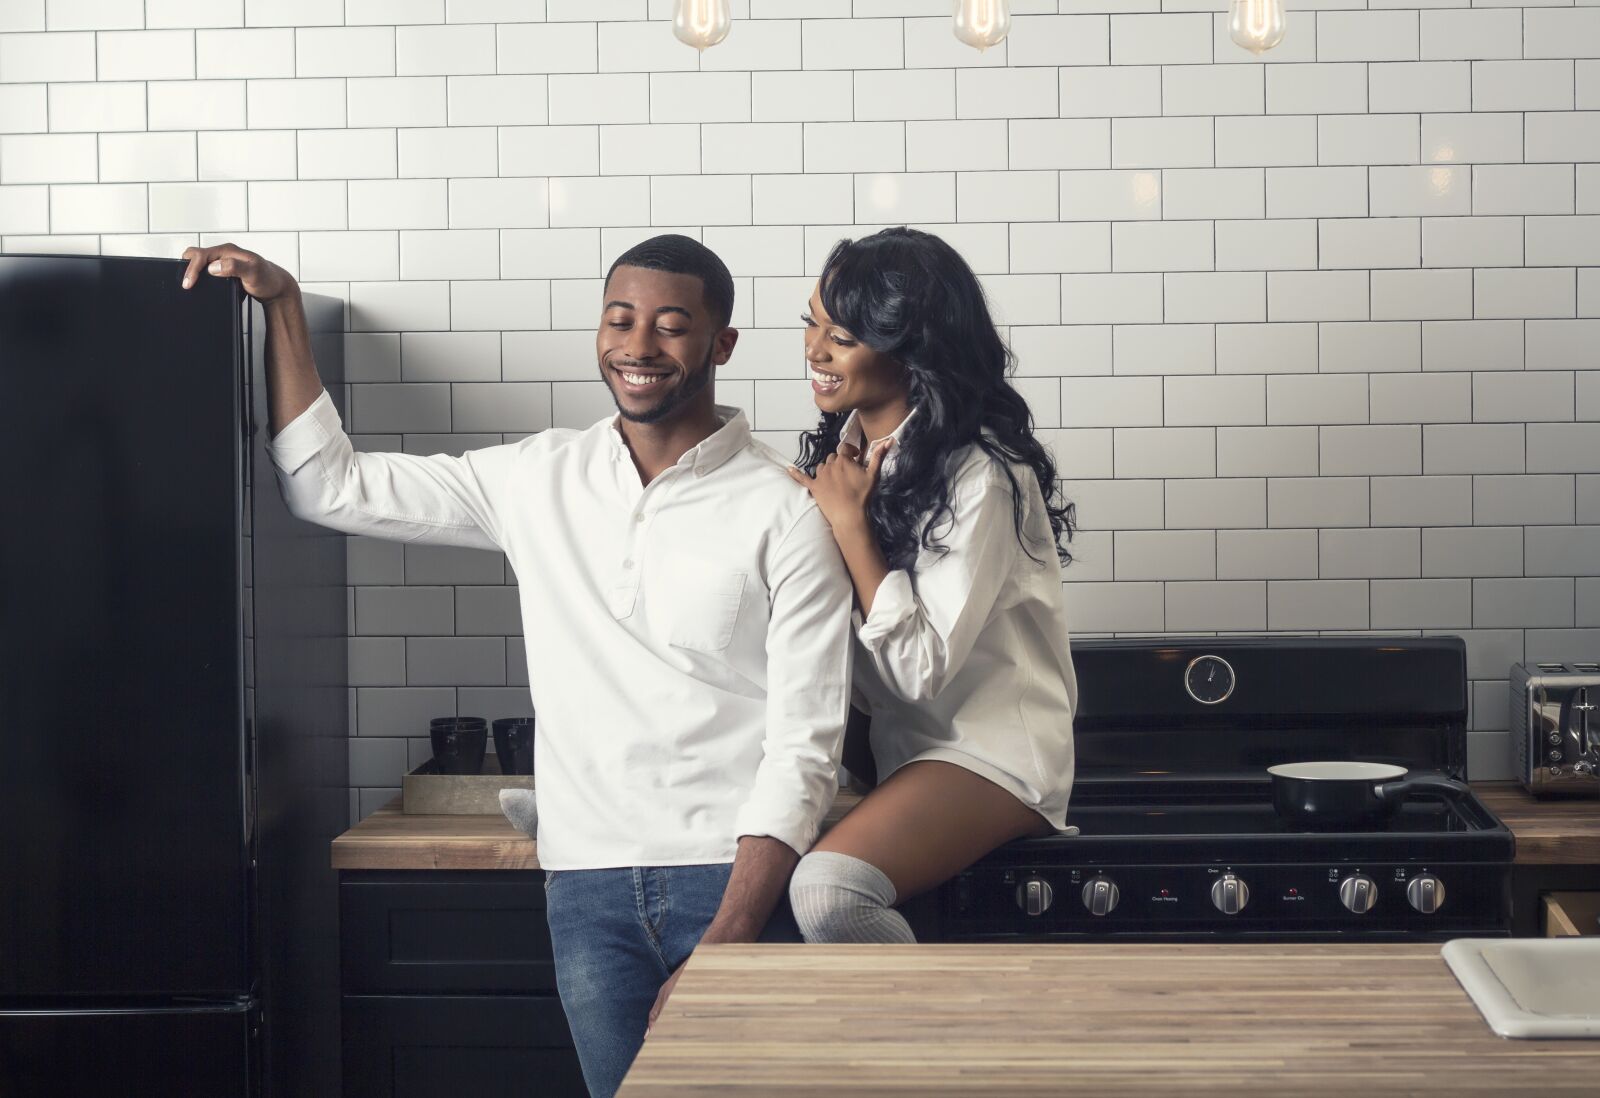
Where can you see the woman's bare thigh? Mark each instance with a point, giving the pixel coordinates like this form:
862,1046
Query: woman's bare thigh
929,821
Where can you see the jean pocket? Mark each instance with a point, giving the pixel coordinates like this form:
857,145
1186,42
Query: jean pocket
549,879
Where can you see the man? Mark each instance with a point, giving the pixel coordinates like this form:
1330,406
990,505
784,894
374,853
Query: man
686,617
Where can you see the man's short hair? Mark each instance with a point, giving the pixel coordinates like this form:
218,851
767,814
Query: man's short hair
677,254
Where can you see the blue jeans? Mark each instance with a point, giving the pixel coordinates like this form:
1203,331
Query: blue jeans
618,934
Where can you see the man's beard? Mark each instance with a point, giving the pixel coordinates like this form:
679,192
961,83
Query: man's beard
685,391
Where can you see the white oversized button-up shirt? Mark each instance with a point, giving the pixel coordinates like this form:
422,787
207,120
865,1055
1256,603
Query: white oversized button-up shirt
688,641
966,658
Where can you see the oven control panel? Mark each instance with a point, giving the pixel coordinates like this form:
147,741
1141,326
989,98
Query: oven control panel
1248,899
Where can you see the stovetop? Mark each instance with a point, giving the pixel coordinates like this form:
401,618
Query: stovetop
1223,864
1153,822
1177,835
1252,818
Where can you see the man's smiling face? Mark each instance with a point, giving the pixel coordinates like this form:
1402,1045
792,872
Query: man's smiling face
658,343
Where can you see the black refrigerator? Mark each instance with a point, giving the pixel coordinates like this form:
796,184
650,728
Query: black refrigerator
173,704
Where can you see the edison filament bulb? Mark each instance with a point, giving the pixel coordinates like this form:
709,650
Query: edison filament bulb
702,23
1257,25
982,23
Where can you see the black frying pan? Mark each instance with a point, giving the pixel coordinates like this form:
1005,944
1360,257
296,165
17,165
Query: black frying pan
1348,794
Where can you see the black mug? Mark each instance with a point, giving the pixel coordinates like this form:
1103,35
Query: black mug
513,744
458,743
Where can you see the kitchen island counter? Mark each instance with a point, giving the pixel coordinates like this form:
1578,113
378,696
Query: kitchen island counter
1553,832
1088,1018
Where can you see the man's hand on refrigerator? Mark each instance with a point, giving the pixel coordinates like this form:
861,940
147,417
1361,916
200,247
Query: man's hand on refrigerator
292,381
262,279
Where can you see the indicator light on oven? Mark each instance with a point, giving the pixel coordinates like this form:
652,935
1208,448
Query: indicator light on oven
1165,893
1294,892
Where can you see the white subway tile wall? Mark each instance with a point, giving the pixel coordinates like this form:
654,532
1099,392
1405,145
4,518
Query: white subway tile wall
1315,337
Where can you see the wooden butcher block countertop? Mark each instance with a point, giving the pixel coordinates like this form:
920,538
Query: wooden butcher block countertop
1088,1019
1548,833
389,839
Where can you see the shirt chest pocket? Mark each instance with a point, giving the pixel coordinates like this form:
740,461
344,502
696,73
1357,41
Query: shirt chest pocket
695,603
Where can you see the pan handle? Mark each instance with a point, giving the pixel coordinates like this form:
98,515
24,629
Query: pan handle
1448,788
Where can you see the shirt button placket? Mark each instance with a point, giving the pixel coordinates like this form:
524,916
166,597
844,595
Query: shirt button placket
644,508
630,563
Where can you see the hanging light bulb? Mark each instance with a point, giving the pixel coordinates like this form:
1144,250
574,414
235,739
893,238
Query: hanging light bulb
702,23
982,23
1257,25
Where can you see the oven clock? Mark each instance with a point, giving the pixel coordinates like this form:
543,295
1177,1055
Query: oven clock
1209,679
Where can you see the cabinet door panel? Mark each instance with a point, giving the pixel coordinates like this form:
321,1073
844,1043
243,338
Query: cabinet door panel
447,1046
445,933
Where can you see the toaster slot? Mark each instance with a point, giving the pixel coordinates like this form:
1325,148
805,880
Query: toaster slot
1585,726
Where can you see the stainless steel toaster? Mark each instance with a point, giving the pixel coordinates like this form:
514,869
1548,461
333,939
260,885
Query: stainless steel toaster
1555,726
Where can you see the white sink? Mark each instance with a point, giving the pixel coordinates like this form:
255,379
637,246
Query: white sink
1531,987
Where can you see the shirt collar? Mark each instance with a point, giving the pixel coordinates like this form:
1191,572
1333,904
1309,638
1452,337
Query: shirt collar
711,452
853,434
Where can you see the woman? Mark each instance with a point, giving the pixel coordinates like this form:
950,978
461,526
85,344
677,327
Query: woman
947,513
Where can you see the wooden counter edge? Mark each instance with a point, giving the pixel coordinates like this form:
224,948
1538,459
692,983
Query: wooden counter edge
1549,832
389,839
1555,831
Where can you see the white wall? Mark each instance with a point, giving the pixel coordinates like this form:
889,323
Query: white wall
1316,340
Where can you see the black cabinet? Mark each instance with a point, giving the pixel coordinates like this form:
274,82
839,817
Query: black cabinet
128,1053
449,987
447,1046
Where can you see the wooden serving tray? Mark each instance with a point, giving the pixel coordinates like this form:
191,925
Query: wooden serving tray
426,792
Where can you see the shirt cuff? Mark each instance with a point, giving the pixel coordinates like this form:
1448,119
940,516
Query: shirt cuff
795,829
893,604
306,435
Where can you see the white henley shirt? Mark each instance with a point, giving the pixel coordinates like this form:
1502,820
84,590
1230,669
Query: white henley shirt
688,641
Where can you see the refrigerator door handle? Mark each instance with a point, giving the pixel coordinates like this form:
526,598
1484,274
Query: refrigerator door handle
236,1004
250,787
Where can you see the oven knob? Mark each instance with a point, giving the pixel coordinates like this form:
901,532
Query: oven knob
1100,896
1035,896
1358,893
1230,894
1426,893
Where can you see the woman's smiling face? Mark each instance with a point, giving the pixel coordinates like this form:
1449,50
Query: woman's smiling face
846,374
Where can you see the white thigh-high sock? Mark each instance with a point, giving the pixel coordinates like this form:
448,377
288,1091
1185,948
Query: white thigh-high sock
837,898
522,809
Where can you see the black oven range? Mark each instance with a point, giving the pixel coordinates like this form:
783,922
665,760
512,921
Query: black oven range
1178,838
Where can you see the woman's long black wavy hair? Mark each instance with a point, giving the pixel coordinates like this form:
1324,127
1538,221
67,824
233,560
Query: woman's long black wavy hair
909,295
